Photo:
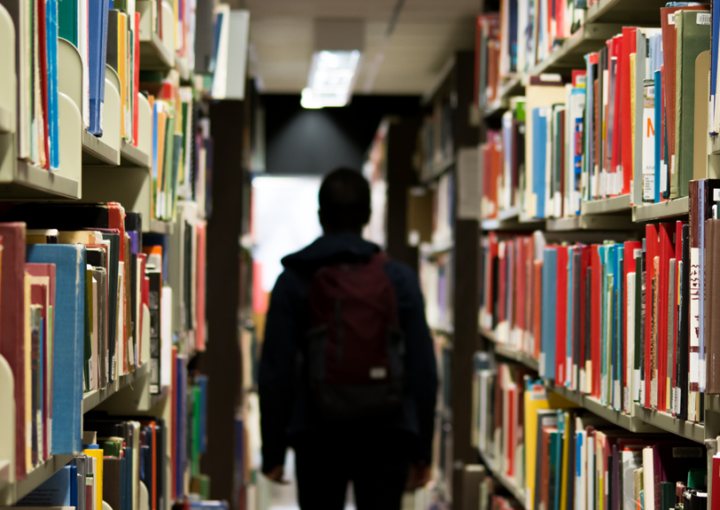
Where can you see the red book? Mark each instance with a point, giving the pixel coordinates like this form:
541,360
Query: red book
615,160
585,263
12,332
537,309
511,403
136,79
678,258
42,47
629,44
667,252
715,503
520,289
47,270
560,19
143,265
628,267
651,251
595,319
561,315
491,290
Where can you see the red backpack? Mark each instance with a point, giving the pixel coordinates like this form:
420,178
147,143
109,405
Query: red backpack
355,345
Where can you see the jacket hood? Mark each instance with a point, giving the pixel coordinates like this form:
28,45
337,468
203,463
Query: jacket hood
331,249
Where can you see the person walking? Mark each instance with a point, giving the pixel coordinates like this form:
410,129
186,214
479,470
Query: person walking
348,376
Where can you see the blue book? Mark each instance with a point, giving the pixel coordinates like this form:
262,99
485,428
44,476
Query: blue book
540,137
55,491
659,134
68,349
97,48
549,293
51,27
618,362
590,120
603,253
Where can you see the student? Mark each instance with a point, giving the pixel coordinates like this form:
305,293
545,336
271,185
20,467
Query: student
347,376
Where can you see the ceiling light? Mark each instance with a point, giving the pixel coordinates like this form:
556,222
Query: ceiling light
331,79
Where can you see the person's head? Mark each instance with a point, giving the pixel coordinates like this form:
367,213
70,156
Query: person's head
344,201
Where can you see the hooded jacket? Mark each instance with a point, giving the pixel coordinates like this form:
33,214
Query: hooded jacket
284,395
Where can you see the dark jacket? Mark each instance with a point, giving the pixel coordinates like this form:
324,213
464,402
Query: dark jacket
284,400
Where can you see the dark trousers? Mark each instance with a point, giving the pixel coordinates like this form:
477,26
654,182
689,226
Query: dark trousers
375,462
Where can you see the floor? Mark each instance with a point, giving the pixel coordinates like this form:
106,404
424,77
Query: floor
283,497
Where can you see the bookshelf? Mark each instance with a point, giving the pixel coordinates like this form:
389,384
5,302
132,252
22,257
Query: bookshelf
619,217
139,388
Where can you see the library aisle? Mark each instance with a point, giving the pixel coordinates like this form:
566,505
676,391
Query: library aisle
550,171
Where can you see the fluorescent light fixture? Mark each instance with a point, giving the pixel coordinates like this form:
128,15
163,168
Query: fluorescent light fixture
331,80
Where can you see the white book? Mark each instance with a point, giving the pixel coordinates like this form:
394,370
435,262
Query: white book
630,342
649,477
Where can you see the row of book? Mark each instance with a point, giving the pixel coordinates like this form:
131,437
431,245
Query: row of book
633,122
624,322
564,457
123,461
83,290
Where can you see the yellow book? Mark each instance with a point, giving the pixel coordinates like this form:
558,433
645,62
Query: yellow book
79,236
567,439
98,456
536,398
122,68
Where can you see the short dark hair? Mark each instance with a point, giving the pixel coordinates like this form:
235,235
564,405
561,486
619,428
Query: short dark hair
344,199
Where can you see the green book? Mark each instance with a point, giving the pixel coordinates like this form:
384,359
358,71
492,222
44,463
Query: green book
68,20
111,446
667,496
693,37
555,468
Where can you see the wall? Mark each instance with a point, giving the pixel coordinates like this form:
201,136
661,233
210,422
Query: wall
312,142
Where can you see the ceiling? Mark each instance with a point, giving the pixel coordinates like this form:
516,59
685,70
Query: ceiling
426,35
